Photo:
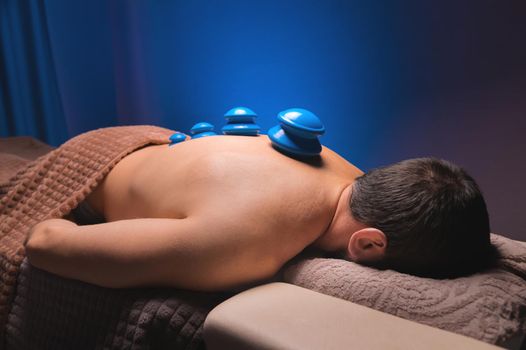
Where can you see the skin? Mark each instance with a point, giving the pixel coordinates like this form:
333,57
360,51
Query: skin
207,214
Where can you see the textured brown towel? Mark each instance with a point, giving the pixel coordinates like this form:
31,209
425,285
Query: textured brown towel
53,313
15,153
53,185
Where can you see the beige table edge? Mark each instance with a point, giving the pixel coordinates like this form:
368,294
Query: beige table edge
285,316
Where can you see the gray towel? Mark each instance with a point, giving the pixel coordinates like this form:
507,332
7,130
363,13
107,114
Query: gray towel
489,306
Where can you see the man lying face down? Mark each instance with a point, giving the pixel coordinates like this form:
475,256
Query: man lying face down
219,212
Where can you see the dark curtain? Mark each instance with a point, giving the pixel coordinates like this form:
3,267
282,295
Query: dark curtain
29,96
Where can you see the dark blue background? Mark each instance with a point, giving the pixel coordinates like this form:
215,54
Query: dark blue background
390,79
361,66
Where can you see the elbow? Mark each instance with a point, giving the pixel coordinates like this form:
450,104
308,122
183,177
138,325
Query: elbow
41,241
32,247
37,244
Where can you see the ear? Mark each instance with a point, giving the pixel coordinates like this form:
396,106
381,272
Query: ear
367,245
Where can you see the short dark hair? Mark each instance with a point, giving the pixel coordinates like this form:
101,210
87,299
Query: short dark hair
433,215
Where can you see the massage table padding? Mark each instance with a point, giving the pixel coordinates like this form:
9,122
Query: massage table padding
284,316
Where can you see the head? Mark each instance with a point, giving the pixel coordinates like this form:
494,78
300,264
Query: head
421,216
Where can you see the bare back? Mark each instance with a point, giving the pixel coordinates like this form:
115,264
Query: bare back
241,182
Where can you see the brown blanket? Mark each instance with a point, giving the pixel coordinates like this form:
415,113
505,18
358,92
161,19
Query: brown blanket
54,313
54,184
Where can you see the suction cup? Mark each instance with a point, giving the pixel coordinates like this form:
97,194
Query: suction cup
241,122
297,133
177,137
202,129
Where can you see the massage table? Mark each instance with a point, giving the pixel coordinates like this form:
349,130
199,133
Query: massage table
285,316
49,312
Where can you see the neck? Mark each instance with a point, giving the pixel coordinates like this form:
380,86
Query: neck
342,225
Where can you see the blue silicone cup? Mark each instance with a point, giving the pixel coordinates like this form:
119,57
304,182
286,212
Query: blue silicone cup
294,144
201,127
240,111
241,129
301,122
204,134
177,137
236,119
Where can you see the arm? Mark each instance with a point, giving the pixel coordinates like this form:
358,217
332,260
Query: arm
190,253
